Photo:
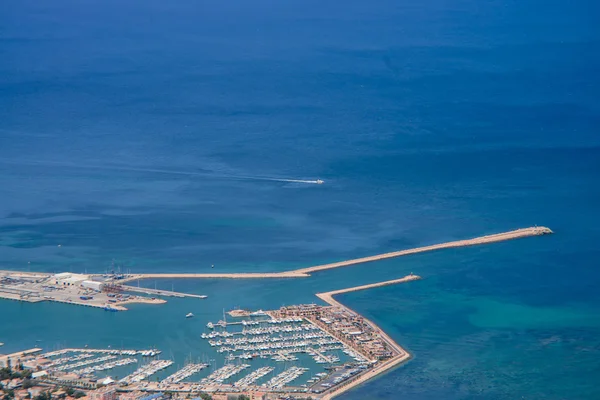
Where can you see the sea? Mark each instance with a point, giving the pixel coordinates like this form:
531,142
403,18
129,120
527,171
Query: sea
171,136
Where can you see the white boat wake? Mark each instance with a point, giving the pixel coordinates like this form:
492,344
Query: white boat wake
160,171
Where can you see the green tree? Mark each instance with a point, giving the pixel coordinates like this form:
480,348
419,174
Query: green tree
205,396
78,394
5,373
243,397
27,383
43,396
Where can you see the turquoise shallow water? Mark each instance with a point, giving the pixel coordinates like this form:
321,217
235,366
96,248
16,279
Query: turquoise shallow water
123,127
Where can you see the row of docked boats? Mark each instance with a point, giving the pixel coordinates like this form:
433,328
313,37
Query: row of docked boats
184,373
224,373
317,377
64,360
285,377
223,322
253,377
288,354
284,357
266,339
355,355
88,361
321,358
261,331
145,371
119,352
293,346
105,366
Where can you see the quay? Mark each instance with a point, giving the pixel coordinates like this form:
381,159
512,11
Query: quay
328,296
158,292
401,355
4,359
67,288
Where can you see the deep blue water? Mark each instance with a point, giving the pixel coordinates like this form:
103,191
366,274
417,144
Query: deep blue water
125,128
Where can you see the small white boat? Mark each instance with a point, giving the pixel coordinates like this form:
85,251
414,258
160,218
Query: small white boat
189,315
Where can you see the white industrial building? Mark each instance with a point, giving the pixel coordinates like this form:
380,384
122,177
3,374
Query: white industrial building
97,286
69,279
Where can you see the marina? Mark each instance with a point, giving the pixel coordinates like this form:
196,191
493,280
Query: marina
285,377
82,363
67,367
105,366
270,351
307,348
146,371
184,373
253,377
224,373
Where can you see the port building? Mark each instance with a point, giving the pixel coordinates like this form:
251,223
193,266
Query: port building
94,285
69,279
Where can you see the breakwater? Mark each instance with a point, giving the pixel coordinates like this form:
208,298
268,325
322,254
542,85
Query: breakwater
33,292
328,296
401,355
305,272
499,237
241,275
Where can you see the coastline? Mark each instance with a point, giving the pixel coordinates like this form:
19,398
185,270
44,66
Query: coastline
402,356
